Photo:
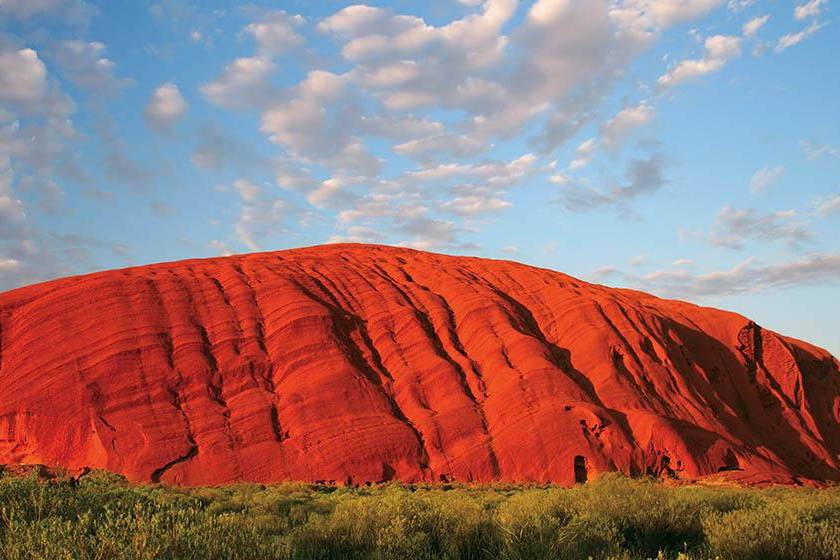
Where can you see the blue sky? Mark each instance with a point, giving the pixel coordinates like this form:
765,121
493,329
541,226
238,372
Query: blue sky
689,148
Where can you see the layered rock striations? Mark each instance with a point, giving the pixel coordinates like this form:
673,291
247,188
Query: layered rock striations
354,363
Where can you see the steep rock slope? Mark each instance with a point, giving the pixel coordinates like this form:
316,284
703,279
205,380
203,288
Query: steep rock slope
356,363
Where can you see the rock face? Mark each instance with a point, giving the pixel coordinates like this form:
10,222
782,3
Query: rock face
354,363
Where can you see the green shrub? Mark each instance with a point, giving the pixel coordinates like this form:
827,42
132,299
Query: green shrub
104,517
532,521
791,525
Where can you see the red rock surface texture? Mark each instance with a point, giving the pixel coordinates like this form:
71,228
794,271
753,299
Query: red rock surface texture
356,363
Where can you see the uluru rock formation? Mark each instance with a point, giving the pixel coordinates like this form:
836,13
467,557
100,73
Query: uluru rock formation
355,363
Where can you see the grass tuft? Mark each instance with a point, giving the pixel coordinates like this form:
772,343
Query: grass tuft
103,517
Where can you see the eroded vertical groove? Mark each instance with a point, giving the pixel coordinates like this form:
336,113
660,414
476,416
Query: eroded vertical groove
559,357
267,371
214,377
231,310
526,323
254,301
452,329
422,315
174,393
343,324
649,392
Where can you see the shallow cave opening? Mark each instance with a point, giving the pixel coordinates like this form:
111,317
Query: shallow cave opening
388,472
580,469
730,462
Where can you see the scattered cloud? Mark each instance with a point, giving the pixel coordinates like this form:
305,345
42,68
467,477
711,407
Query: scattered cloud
747,276
734,227
409,64
814,150
485,76
289,175
23,77
332,193
809,9
495,174
443,145
765,177
358,234
261,215
275,33
243,83
603,273
429,233
739,5
614,131
219,151
662,13
447,98
827,205
559,179
173,10
27,254
120,168
73,12
719,50
220,247
471,200
752,26
791,39
397,206
37,149
644,177
584,154
247,190
83,63
313,123
165,107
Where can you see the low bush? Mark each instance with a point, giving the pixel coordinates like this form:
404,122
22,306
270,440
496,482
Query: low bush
103,517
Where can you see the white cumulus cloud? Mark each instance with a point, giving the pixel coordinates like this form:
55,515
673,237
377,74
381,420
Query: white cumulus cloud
275,33
243,83
23,77
166,106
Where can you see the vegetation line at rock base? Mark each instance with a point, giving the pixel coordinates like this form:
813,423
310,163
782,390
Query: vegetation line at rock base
100,516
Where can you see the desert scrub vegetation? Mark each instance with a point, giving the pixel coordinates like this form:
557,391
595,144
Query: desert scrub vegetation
101,516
